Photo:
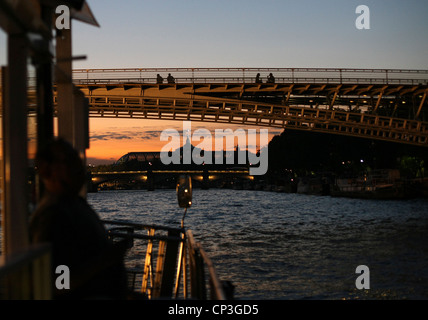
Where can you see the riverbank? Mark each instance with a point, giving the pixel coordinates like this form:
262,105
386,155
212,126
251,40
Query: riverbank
321,185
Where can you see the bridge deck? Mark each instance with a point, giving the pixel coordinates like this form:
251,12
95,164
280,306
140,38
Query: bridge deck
383,104
372,103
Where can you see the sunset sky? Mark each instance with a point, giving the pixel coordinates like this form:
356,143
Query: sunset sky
112,138
237,33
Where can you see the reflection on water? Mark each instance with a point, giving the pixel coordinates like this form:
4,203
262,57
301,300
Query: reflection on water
291,246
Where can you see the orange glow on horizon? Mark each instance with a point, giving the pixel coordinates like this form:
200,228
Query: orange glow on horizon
112,138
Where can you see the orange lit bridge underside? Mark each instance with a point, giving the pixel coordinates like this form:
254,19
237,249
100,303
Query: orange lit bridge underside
389,105
259,114
121,103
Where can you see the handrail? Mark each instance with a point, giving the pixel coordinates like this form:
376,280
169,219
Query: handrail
27,275
264,69
217,292
166,261
139,226
248,75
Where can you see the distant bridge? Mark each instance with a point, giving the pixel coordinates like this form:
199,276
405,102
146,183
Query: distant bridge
383,104
168,178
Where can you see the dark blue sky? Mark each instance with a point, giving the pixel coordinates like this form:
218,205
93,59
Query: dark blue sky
249,33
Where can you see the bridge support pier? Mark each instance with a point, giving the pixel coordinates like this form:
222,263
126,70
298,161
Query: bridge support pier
205,180
150,181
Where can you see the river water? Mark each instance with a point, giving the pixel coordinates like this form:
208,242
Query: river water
292,246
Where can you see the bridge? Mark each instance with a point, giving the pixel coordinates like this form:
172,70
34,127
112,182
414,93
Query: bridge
383,104
167,178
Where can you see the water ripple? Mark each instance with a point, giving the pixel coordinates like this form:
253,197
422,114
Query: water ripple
291,246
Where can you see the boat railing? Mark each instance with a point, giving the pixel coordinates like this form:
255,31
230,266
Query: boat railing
26,275
166,262
198,258
369,181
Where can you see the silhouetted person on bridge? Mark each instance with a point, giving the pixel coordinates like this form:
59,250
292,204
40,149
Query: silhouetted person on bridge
258,80
170,78
271,78
159,78
78,237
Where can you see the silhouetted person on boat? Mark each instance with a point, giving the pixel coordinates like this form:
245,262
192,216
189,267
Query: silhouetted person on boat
258,80
78,237
159,78
170,78
271,78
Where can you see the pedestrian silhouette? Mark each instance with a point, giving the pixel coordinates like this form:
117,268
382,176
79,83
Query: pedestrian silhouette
258,80
170,78
77,236
271,78
159,79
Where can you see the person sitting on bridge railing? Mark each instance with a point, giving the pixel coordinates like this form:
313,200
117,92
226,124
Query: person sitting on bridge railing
258,80
170,78
159,78
271,78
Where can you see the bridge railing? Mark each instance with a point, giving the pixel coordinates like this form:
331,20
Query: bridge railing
248,75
